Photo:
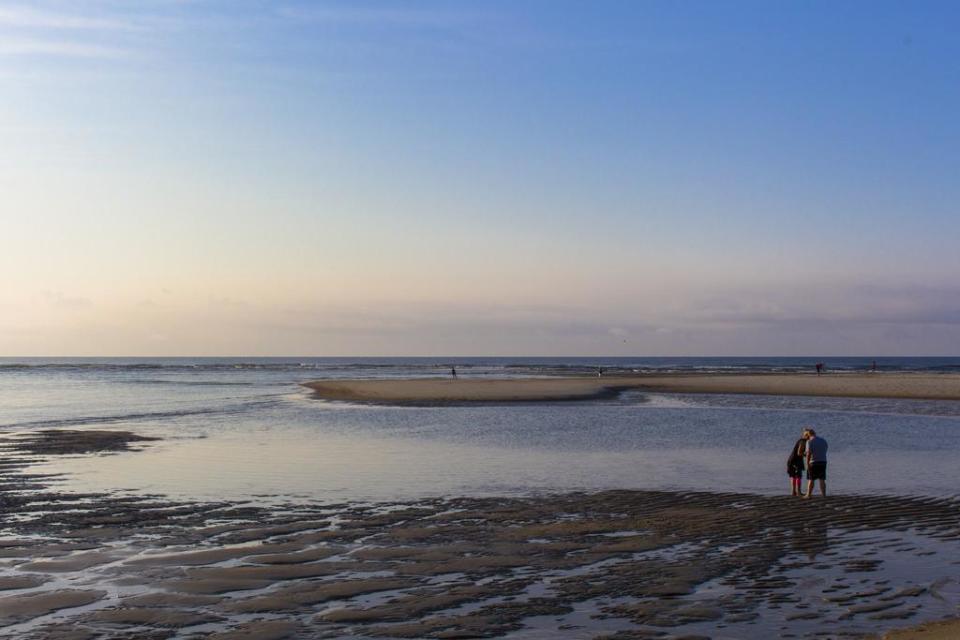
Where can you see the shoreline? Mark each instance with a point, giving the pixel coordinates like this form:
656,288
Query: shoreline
917,386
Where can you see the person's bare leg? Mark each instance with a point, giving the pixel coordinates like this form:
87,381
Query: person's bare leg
809,493
823,487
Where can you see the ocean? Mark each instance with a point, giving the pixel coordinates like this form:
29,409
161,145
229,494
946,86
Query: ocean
244,428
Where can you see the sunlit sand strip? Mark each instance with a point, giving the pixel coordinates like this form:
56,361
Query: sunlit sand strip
946,630
438,390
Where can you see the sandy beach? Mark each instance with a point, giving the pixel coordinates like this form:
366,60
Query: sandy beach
521,558
610,565
446,390
945,630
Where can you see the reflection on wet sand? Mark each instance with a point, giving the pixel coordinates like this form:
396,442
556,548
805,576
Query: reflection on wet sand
811,538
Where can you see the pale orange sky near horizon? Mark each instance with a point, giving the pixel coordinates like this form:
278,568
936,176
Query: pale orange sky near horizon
237,179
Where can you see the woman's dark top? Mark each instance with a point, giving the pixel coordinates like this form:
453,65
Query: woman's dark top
795,461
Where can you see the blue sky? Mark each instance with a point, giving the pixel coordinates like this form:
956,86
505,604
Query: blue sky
379,178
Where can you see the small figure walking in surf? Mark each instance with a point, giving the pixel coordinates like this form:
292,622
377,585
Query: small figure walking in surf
453,372
819,368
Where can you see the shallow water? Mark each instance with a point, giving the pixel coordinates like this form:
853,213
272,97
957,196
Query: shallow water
246,429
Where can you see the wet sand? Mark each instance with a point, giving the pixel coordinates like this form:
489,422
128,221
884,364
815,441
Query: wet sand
614,565
466,390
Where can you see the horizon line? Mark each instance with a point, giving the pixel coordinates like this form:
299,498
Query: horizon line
157,357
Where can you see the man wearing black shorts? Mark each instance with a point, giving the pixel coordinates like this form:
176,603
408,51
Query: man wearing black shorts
816,463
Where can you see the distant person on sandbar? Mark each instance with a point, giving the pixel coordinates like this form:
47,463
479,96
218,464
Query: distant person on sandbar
819,366
816,463
599,372
453,372
795,465
874,366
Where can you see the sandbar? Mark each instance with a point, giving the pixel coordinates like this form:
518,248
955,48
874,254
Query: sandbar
467,390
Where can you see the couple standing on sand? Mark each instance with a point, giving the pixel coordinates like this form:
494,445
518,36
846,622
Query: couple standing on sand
810,451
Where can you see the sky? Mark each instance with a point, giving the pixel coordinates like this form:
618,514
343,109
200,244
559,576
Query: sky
518,177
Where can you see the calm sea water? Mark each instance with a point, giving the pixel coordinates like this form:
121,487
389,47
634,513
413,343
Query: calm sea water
243,428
